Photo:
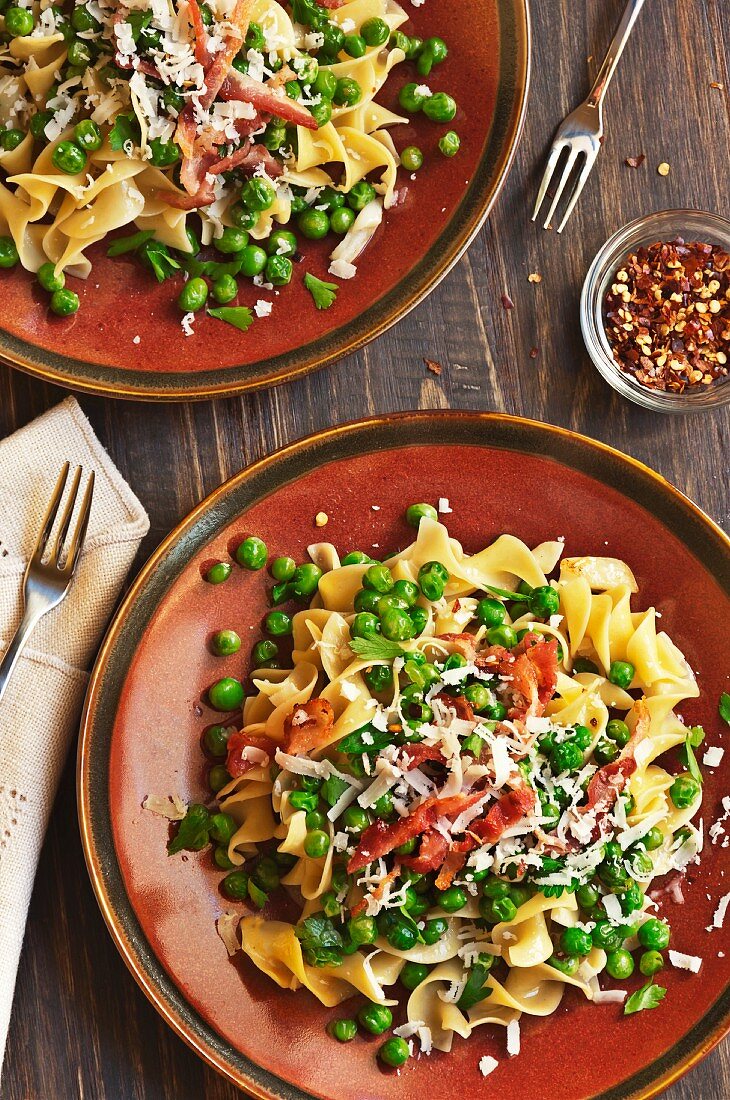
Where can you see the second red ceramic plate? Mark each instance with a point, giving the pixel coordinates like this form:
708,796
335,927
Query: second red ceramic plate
145,713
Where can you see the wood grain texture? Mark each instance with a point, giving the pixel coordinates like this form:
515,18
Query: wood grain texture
81,1029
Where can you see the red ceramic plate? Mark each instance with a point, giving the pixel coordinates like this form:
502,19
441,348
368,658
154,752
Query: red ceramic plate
487,73
144,715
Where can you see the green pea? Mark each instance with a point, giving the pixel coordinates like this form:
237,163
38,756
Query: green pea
410,98
651,962
235,885
449,143
83,20
360,194
605,751
225,642
172,99
619,964
293,89
375,1018
38,123
452,900
411,158
478,696
347,93
222,827
316,844
355,819
574,941
243,218
375,32
281,242
497,910
413,974
439,107
216,738
341,220
654,934
64,302
19,22
587,896
431,585
543,602
231,240
325,83
402,936
491,612
344,1031
193,295
253,260
394,1051
313,224
252,553
631,898
502,635
164,153
266,873
69,158
362,930
618,731
419,619
226,694
378,578
257,194
222,860
219,572
310,782
433,930
218,777
87,135
383,806
416,512
282,569
363,624
79,53
305,580
224,289
653,839
10,139
621,673
683,791
568,965
321,113
48,279
396,625
355,45
379,678
275,136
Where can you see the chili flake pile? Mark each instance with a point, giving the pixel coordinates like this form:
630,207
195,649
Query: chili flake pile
667,315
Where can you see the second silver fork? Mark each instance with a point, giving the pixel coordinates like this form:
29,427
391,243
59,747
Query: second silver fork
46,582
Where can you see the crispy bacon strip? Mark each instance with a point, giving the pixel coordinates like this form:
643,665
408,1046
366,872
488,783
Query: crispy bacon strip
202,55
142,66
609,781
243,87
505,813
412,756
308,726
331,4
534,674
451,866
458,704
433,851
465,644
248,156
381,838
221,62
236,762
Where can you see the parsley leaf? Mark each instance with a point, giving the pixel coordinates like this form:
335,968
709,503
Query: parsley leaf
504,593
192,833
324,294
724,707
332,789
240,317
372,647
696,736
156,255
212,268
138,21
320,940
125,128
130,244
354,745
692,766
474,990
258,896
649,996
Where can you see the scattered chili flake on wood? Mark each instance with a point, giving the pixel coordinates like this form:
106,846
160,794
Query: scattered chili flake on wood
507,302
667,315
717,85
635,162
534,352
533,277
433,366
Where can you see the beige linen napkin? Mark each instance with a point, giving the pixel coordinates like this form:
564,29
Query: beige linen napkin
40,710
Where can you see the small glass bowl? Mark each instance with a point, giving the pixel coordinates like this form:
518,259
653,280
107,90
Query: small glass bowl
664,225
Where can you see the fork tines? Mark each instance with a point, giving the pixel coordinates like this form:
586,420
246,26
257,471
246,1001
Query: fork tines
65,549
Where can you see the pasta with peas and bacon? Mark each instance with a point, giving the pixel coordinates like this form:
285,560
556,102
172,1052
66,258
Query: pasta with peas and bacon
461,776
215,123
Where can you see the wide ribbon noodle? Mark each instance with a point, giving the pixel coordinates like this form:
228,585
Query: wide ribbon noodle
466,787
186,108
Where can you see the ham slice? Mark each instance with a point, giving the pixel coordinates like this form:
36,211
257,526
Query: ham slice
236,763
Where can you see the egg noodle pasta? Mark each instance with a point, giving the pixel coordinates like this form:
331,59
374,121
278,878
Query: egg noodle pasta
460,776
227,123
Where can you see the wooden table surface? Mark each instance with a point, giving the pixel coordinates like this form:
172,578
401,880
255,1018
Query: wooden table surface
81,1028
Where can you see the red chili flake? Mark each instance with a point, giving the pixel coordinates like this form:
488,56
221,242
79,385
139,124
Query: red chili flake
433,366
507,302
635,162
667,315
534,352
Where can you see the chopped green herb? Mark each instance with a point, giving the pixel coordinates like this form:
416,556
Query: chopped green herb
258,896
156,255
504,593
354,745
696,736
125,128
324,294
240,317
474,988
130,244
692,766
724,707
375,648
192,833
649,996
320,940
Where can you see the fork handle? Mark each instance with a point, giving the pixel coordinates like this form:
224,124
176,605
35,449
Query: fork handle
608,68
32,613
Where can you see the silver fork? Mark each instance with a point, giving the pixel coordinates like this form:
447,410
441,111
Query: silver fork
581,132
46,582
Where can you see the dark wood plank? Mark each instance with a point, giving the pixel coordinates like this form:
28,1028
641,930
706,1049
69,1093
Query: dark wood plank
81,1028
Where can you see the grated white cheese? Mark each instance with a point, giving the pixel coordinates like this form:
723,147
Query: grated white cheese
341,269
719,917
513,1038
187,324
444,506
263,308
713,756
685,962
487,1065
